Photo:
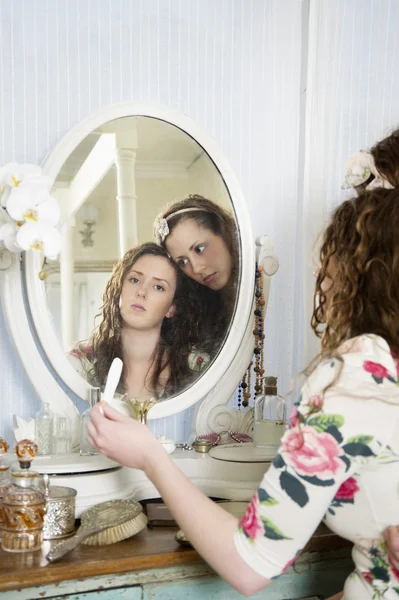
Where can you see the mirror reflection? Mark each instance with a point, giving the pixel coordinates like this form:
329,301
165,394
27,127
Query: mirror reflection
164,308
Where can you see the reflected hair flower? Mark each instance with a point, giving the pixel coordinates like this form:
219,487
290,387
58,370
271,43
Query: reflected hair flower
161,229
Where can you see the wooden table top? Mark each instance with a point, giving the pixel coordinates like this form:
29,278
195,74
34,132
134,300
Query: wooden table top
150,549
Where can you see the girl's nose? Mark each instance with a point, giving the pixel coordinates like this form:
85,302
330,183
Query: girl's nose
197,266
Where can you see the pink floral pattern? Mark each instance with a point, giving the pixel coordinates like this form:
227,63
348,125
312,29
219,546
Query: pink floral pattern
318,468
312,453
375,369
347,490
251,523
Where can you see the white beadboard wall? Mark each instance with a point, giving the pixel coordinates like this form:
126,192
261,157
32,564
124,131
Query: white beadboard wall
231,65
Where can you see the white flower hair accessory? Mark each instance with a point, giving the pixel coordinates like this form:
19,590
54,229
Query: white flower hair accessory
29,215
359,168
161,229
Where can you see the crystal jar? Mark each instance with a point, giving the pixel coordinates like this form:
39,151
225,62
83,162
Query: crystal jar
23,515
4,478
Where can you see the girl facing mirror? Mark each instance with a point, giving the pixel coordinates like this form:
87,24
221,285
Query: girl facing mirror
339,459
148,320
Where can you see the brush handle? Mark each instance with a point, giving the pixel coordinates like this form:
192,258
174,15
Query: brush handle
66,546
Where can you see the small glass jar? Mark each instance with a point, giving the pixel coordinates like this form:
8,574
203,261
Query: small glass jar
44,423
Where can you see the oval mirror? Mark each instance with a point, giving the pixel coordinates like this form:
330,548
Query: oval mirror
113,174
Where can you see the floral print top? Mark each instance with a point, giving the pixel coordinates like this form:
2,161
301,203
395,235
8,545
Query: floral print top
338,461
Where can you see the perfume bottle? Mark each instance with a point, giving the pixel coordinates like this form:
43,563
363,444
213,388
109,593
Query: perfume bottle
270,414
94,396
23,504
4,478
44,423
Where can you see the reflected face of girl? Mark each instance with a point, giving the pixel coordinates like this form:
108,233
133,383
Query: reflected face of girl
147,293
200,254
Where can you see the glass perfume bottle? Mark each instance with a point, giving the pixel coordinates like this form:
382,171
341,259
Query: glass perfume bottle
270,414
94,396
44,423
23,504
61,436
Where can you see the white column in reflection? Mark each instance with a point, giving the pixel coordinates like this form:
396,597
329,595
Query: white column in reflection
67,288
125,160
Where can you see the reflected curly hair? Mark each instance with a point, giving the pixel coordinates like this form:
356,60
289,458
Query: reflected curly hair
363,241
177,332
218,304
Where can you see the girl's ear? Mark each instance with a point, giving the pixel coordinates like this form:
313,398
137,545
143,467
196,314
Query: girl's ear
171,312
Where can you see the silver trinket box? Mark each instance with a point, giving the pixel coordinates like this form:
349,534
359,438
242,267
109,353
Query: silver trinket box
59,520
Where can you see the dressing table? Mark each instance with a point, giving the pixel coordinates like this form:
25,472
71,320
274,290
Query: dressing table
111,151
152,565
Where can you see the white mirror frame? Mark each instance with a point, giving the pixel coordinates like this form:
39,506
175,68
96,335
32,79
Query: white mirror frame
220,380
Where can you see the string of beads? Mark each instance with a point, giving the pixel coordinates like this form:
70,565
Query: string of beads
244,388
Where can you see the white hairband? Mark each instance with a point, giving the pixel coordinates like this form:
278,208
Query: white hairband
358,168
161,227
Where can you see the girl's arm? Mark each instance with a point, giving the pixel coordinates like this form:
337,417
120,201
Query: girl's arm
209,527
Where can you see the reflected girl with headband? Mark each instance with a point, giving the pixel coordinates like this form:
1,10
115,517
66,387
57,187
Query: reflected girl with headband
149,321
201,238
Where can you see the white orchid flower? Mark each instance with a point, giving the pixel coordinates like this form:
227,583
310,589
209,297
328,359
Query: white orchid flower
31,204
14,175
40,237
8,235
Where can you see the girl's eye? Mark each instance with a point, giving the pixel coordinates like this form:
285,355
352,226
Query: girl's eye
159,287
200,249
133,280
182,263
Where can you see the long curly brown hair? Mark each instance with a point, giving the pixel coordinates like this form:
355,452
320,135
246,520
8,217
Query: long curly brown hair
362,242
178,333
218,305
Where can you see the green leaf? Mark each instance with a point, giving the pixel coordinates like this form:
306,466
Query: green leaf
272,531
360,439
265,499
354,449
278,461
294,488
323,422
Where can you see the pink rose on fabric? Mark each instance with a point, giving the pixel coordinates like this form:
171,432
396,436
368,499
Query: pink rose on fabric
375,369
294,417
316,401
312,453
367,576
393,568
250,522
347,490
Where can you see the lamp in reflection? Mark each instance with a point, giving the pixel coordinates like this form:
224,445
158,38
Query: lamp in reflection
89,216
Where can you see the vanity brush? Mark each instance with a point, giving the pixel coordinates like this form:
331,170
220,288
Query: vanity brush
103,524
